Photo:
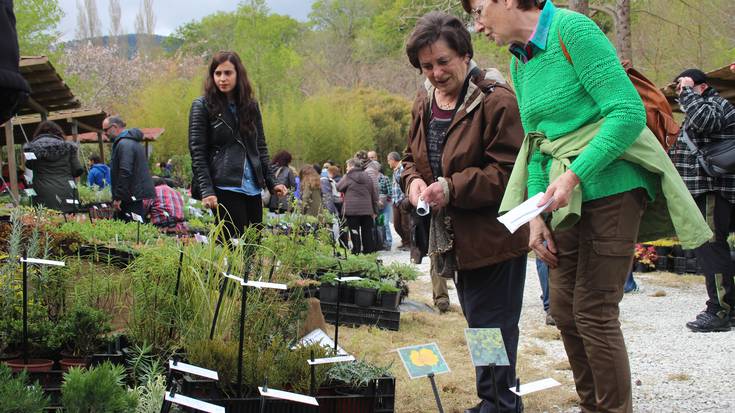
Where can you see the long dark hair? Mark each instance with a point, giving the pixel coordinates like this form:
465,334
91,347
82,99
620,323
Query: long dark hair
217,101
49,128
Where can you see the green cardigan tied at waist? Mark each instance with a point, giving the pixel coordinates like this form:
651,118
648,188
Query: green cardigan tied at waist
674,214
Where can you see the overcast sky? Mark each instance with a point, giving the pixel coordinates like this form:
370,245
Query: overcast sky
170,14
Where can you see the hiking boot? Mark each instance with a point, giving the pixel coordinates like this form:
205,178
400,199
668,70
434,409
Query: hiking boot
550,320
706,322
442,305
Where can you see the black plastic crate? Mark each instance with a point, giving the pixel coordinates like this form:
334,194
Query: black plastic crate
352,315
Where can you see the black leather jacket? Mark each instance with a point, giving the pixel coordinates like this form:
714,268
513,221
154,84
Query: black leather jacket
218,151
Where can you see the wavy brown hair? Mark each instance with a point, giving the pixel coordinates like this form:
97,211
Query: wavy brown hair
247,106
309,178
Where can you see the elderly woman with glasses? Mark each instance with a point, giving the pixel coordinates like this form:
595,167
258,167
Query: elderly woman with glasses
464,136
597,166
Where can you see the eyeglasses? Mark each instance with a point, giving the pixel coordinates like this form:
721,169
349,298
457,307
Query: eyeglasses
105,130
476,12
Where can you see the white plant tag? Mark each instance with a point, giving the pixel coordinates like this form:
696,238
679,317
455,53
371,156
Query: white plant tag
284,395
194,403
192,369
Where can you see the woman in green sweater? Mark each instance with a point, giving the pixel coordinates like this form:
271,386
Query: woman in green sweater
561,93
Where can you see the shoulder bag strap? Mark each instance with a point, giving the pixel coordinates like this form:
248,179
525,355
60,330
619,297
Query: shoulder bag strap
688,141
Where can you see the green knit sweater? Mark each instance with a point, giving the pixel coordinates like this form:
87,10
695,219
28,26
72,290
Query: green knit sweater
556,98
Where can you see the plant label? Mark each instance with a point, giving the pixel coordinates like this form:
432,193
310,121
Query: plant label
535,386
72,184
192,201
318,336
348,279
192,369
43,262
30,156
30,192
193,403
94,207
284,395
202,239
104,205
331,360
132,198
261,284
136,217
234,277
195,211
422,360
486,346
72,202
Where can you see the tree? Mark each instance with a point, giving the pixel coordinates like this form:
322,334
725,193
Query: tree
37,24
145,27
116,29
580,6
89,25
622,30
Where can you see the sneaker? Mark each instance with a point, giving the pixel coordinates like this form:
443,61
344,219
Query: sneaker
442,305
550,320
707,323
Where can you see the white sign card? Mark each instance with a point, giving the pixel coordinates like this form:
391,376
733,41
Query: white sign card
261,284
136,217
284,395
331,360
30,156
43,262
30,192
535,386
194,403
348,279
318,336
523,213
195,370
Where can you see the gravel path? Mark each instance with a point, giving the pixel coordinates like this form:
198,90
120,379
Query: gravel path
673,369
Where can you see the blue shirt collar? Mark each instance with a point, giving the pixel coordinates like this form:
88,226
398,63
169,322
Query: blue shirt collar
539,38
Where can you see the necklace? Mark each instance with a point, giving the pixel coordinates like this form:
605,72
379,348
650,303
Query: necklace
444,106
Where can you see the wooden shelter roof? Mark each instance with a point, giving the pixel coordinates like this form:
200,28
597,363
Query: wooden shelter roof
149,135
87,119
49,93
723,80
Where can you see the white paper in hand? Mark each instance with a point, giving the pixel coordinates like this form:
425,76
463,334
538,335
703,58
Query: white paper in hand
523,213
534,387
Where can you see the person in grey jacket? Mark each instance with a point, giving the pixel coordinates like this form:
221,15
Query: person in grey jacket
360,206
131,178
55,164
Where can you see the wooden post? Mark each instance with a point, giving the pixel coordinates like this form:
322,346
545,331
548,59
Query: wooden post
12,168
75,130
101,146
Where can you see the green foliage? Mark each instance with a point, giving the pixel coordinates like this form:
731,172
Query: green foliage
97,390
366,283
36,24
150,395
387,287
94,195
143,365
110,231
81,329
18,395
356,374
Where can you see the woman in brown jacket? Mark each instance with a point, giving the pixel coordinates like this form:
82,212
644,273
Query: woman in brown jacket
464,136
311,191
360,206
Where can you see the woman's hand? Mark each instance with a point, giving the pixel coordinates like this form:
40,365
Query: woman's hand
561,190
434,195
539,233
280,190
417,187
210,202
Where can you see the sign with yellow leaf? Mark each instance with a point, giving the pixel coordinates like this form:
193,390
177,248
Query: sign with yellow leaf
422,360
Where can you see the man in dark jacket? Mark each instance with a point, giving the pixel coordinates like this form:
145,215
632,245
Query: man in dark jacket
131,179
13,87
709,118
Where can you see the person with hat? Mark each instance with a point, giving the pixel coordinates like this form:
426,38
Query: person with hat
709,118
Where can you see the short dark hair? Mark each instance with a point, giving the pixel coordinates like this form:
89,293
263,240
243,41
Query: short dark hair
49,127
281,158
95,158
522,4
116,120
436,26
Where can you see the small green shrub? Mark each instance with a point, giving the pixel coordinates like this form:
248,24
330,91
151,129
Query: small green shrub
17,395
98,390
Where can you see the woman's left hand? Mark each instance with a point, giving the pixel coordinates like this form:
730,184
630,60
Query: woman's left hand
561,190
434,195
280,190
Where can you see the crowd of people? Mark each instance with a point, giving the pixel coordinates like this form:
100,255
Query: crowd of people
573,128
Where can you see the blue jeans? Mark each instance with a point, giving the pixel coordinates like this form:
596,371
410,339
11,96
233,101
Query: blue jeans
630,284
388,218
543,279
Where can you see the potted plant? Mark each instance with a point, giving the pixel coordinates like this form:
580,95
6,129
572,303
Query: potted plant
645,258
98,389
42,340
81,331
18,394
390,295
356,379
366,291
328,287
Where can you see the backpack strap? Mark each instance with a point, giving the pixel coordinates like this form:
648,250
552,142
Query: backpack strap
564,48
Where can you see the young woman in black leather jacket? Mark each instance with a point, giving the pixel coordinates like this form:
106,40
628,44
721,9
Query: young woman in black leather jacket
229,155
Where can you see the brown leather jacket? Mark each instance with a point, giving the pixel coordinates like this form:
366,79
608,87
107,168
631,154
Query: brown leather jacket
480,150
